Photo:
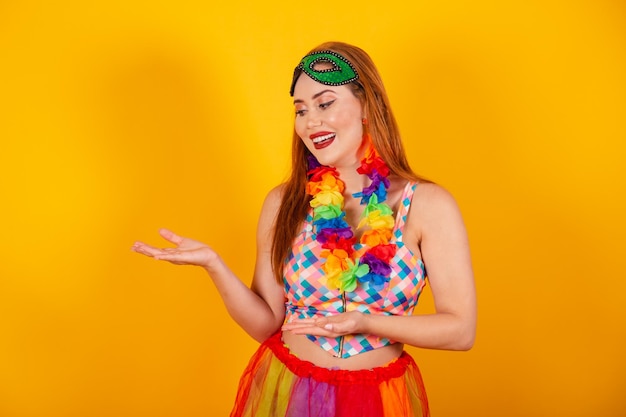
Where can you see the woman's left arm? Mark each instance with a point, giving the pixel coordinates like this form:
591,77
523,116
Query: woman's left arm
435,226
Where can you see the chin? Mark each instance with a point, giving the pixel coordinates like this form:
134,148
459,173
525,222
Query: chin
325,161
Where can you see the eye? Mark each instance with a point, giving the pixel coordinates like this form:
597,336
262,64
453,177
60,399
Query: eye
326,104
300,112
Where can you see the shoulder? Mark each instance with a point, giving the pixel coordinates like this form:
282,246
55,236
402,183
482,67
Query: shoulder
274,197
432,197
433,207
269,211
271,205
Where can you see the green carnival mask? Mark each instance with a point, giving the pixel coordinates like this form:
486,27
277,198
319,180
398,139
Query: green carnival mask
342,71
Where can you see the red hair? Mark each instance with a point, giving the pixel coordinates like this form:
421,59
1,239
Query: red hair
382,127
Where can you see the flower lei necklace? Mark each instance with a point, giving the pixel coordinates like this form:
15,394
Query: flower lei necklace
344,265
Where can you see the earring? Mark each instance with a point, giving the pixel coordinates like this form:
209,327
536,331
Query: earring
364,121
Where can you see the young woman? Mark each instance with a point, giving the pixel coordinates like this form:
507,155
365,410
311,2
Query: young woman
343,251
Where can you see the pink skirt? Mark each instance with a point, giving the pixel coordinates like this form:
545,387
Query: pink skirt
278,384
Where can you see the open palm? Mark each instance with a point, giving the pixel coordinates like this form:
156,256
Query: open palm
185,252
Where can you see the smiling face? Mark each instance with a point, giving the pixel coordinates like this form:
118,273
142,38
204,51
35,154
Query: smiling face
329,122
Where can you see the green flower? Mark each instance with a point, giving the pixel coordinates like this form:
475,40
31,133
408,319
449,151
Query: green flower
326,212
348,279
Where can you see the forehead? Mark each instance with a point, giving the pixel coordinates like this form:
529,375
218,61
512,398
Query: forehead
306,88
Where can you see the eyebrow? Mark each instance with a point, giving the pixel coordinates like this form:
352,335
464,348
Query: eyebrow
315,95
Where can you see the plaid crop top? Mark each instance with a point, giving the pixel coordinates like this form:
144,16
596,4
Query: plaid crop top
307,296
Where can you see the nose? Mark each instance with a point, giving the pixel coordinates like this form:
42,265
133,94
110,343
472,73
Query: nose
313,120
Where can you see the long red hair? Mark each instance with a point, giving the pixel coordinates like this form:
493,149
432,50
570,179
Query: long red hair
385,135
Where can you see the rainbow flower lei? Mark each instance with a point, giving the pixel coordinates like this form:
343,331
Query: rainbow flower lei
344,265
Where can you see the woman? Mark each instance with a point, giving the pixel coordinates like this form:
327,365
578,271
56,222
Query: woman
342,252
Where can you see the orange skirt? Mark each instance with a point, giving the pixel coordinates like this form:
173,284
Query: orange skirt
278,384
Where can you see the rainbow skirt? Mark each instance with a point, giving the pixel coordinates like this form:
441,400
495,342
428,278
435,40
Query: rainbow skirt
278,384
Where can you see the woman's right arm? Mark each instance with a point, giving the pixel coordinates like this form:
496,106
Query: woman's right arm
260,309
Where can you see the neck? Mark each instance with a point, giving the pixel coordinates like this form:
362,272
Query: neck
353,181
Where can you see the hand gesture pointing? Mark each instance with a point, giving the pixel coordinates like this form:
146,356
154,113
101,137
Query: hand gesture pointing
186,251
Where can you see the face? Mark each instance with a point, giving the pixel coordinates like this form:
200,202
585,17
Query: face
329,122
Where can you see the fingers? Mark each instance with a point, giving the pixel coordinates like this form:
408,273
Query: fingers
144,249
156,253
313,326
148,250
329,326
171,255
170,236
299,324
302,321
315,331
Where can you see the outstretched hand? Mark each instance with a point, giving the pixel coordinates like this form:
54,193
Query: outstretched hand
330,326
186,251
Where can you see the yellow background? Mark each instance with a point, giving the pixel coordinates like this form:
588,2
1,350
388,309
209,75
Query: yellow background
120,117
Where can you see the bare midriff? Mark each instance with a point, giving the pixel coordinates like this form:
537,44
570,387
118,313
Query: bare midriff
307,350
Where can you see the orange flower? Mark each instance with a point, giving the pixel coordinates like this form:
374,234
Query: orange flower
328,182
373,238
336,261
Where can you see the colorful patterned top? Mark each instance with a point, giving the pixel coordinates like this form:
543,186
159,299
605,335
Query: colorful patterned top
307,295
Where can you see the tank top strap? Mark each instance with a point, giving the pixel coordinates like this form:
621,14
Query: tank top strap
403,209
